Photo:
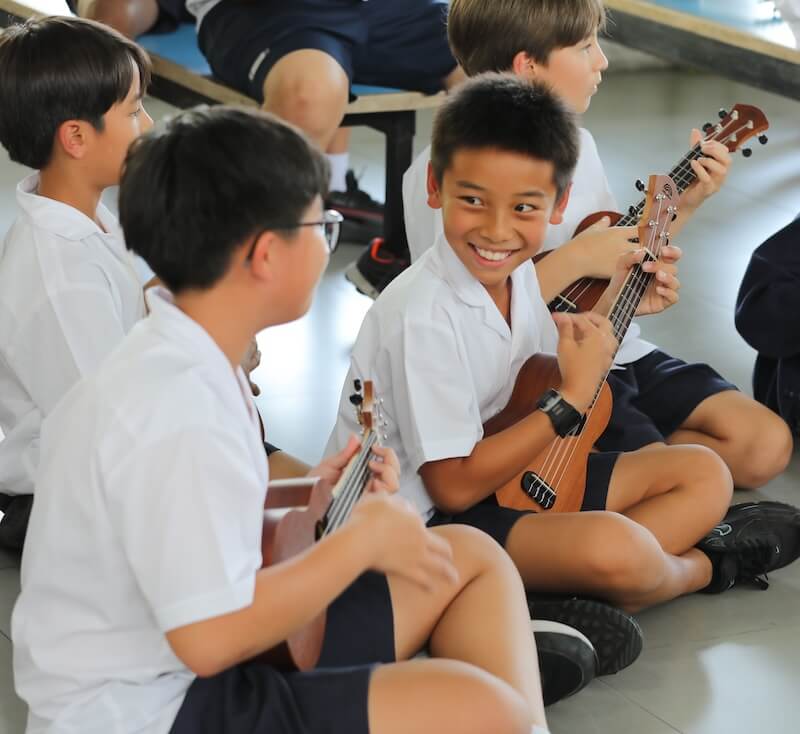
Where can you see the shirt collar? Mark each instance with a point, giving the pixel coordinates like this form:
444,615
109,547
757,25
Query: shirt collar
62,219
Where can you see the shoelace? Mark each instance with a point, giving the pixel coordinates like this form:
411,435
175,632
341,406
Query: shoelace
755,557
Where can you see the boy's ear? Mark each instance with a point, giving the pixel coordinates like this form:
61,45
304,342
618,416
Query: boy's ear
524,66
561,206
434,190
72,137
262,259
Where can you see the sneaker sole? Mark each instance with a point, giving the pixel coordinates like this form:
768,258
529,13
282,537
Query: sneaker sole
363,286
615,636
567,660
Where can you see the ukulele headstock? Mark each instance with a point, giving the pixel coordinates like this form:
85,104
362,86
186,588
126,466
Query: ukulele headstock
367,408
660,210
738,126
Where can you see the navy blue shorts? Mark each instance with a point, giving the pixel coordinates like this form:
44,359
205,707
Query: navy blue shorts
653,396
397,43
253,698
497,521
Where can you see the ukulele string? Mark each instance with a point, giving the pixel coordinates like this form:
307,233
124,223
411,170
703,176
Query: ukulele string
638,280
351,487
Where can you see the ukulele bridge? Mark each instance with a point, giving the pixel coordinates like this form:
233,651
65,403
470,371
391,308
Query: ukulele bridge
560,304
538,490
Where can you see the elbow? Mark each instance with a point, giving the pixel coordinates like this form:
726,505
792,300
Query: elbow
202,659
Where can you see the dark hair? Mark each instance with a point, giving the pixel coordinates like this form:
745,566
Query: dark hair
57,69
486,35
504,112
199,185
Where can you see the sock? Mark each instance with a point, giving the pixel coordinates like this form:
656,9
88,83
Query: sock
339,163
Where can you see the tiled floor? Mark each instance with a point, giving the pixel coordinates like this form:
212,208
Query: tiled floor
711,664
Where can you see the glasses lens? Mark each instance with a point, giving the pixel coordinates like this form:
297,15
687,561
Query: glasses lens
333,223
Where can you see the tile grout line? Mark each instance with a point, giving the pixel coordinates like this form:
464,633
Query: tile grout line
642,708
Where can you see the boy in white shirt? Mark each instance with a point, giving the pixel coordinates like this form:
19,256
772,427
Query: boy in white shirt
658,399
143,601
69,290
444,345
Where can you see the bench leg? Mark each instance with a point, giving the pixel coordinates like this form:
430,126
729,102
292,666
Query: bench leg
399,129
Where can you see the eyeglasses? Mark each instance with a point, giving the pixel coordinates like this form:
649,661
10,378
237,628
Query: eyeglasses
331,224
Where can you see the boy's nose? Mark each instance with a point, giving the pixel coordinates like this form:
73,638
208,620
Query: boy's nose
496,228
602,59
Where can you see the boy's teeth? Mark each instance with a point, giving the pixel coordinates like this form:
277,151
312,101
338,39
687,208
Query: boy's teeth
491,255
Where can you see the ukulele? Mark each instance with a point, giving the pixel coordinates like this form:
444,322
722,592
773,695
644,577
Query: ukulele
555,480
735,128
299,512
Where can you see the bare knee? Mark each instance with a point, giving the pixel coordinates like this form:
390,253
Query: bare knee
709,472
765,446
312,94
129,17
476,553
626,560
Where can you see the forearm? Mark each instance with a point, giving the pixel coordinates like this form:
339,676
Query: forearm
287,597
459,483
562,267
286,466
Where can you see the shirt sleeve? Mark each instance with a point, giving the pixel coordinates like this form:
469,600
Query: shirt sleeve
769,297
196,549
433,396
67,338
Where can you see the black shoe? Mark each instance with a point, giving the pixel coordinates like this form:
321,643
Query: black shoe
14,523
567,661
363,216
375,269
615,635
754,539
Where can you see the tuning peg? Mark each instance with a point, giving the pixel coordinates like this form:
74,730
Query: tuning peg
632,211
640,185
763,139
356,399
708,127
747,152
723,113
357,385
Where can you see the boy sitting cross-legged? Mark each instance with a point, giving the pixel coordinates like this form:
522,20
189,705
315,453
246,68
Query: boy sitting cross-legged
445,342
658,399
142,594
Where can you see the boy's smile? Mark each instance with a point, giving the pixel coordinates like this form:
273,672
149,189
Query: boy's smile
496,206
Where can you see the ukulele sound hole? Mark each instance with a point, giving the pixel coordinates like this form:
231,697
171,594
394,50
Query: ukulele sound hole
538,490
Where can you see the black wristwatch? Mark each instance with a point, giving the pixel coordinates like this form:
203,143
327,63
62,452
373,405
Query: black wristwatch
561,414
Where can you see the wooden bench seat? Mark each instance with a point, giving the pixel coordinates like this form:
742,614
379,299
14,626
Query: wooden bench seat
182,77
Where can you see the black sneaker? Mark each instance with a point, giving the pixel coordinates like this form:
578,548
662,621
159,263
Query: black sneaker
363,216
615,635
754,539
375,269
567,660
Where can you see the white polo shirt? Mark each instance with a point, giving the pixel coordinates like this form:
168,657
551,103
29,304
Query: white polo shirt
590,193
69,292
443,359
147,517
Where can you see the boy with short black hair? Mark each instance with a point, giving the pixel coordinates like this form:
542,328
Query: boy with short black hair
145,538
444,345
69,291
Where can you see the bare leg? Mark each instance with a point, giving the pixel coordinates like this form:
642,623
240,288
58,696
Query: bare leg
130,17
754,442
436,696
340,143
483,620
308,88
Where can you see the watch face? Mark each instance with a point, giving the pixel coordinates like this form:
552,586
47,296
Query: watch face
549,399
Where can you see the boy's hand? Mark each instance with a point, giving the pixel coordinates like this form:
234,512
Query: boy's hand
385,467
252,359
600,247
586,348
397,542
711,171
663,289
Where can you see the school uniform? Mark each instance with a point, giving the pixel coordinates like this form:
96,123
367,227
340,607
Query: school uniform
443,361
148,518
399,44
766,317
653,392
69,292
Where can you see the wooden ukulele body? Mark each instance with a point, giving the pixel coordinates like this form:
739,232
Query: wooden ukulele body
530,489
292,516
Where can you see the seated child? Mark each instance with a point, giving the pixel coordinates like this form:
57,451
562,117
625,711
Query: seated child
143,599
766,317
657,398
445,342
69,290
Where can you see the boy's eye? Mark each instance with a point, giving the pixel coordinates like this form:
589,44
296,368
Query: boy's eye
525,208
471,200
